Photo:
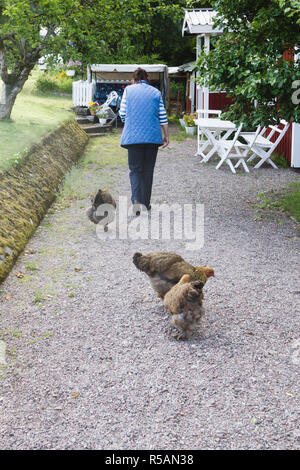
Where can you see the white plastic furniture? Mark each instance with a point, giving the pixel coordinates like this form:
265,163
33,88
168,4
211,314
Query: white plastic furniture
236,150
202,143
106,109
206,112
225,150
263,147
212,129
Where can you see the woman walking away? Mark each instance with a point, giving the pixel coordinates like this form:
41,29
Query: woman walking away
143,112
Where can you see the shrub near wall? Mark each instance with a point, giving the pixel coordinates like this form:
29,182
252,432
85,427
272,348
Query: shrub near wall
28,190
46,84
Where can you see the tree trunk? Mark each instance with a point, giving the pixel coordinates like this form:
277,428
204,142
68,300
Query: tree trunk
9,93
13,82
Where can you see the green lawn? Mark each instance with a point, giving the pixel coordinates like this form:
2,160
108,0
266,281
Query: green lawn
290,202
32,117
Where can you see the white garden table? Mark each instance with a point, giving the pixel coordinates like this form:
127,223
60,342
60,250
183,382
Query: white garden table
212,129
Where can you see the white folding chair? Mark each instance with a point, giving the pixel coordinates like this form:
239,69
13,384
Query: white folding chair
225,148
203,143
207,112
114,100
243,150
263,147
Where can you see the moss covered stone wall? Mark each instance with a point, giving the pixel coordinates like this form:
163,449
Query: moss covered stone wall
27,190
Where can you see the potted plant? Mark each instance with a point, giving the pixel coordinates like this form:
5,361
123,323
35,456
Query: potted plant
102,118
181,120
190,126
72,67
93,107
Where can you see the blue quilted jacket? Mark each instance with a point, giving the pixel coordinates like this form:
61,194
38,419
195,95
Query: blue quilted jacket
142,123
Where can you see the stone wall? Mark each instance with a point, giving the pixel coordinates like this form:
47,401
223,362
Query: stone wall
28,190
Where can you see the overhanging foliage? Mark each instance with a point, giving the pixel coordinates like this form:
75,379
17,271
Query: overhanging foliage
253,60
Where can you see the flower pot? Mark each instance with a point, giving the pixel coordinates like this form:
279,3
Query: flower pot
70,73
102,121
182,123
190,130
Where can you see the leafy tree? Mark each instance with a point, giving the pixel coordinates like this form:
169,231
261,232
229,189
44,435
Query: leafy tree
86,30
253,60
145,31
28,30
162,34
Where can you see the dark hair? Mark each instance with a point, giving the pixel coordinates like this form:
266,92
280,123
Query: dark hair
140,74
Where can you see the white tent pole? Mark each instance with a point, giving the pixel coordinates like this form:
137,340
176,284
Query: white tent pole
206,89
199,100
88,73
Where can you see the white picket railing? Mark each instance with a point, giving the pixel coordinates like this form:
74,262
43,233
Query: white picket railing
82,92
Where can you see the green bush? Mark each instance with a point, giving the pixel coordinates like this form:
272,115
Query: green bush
48,84
280,160
177,90
173,118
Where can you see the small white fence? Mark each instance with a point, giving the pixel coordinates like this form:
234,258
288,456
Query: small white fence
82,92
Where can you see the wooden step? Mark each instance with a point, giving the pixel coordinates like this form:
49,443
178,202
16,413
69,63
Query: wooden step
86,119
96,128
92,136
81,110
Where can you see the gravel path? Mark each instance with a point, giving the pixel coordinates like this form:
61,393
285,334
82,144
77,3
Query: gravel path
90,361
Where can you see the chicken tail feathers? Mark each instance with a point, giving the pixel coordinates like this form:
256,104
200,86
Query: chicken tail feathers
195,291
141,262
198,285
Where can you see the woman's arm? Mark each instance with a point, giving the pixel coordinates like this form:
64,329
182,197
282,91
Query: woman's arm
164,123
122,111
165,129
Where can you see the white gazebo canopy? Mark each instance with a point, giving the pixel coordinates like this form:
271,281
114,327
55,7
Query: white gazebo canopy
127,67
200,23
123,72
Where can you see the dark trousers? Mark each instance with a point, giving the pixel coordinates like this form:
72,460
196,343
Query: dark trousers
141,161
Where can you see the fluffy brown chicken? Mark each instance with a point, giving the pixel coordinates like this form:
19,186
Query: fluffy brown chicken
99,198
184,304
165,269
